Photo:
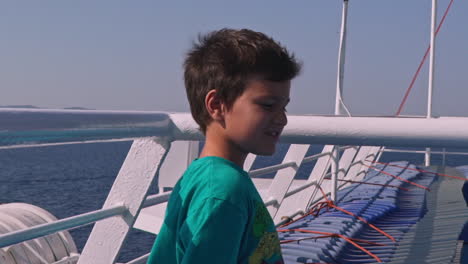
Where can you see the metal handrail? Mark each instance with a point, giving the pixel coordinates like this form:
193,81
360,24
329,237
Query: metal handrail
157,199
59,225
423,152
140,260
79,125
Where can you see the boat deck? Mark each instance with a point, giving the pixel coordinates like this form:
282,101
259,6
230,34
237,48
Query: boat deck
425,224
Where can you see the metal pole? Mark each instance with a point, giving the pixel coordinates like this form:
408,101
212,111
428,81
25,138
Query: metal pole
334,170
338,96
341,60
443,157
427,156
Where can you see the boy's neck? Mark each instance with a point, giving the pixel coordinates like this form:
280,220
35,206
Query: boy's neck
216,145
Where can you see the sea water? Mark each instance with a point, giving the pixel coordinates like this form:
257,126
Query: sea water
73,179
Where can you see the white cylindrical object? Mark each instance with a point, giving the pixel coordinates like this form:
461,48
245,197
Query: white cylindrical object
51,248
364,131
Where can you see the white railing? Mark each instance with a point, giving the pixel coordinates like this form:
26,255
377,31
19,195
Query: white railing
60,225
153,133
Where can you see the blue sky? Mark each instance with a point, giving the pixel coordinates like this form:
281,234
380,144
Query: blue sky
127,55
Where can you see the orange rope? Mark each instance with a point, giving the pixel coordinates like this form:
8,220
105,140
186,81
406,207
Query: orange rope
422,63
399,178
317,237
370,183
333,235
329,204
424,171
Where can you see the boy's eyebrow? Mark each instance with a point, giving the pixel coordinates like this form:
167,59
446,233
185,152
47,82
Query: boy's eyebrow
277,98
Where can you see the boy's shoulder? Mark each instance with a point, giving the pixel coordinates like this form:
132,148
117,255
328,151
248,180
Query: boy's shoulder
219,178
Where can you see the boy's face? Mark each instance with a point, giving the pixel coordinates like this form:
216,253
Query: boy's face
257,117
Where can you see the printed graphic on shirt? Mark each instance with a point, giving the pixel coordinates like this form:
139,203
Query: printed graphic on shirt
268,250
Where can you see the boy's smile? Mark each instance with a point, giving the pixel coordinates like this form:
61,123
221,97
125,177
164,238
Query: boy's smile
253,124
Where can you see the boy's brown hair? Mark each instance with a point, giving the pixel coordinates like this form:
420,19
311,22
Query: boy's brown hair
225,60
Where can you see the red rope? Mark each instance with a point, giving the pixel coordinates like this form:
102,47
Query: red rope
332,235
315,210
370,183
317,237
422,62
396,177
424,171
329,204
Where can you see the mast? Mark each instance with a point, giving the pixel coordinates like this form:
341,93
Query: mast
341,60
427,157
338,97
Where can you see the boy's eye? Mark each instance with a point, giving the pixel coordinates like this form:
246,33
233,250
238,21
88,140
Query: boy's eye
267,106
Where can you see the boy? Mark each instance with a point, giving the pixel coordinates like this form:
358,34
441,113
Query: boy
237,84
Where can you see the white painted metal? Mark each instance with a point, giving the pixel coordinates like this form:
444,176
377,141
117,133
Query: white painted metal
371,155
427,156
193,151
273,168
284,177
432,58
339,94
410,132
380,153
249,161
6,257
157,199
443,157
174,165
130,187
140,260
69,260
346,159
299,201
59,126
341,61
443,152
356,168
151,218
378,131
49,228
334,172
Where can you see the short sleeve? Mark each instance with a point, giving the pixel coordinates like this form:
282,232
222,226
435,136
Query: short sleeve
212,233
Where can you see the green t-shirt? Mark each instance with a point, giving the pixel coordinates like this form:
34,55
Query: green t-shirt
215,215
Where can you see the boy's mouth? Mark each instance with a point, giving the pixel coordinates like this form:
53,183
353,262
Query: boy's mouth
274,133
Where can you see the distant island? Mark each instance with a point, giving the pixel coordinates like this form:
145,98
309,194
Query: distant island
37,107
77,108
19,106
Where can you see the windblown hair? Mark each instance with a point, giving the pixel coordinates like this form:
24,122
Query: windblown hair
225,60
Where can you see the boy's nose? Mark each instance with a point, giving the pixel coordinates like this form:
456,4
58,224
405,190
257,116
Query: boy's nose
281,119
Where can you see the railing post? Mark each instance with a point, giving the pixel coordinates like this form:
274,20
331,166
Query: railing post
283,178
139,169
443,157
334,171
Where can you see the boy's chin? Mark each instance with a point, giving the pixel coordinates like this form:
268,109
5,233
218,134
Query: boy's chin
265,152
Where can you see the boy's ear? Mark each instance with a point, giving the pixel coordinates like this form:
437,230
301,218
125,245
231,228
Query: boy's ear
214,106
